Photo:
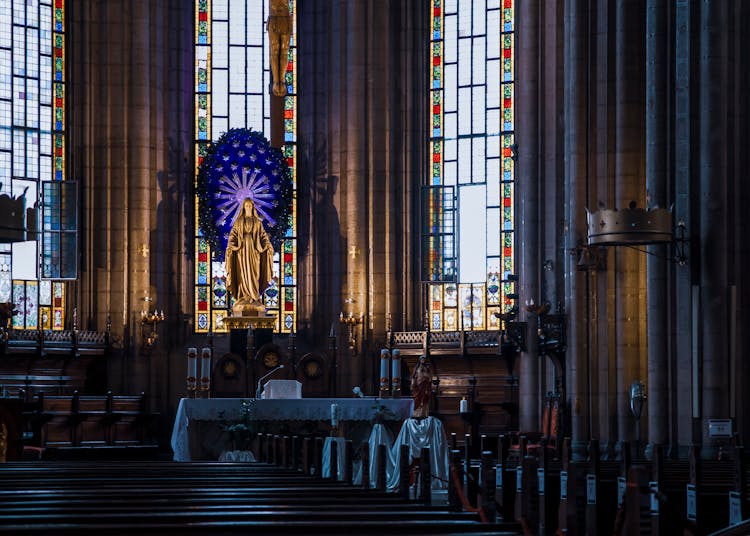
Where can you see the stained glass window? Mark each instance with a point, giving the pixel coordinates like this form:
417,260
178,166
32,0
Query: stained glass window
32,147
232,78
471,151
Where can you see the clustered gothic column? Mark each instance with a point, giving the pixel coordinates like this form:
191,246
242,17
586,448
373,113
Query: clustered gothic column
629,186
682,361
131,140
680,144
362,150
355,176
527,193
657,181
714,95
576,181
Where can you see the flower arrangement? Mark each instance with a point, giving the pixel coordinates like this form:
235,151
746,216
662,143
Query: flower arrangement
381,414
242,431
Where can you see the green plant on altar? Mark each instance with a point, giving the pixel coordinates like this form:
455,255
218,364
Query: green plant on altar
381,413
242,431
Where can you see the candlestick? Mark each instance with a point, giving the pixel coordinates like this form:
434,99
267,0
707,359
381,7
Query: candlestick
334,415
396,372
384,355
192,368
205,369
463,406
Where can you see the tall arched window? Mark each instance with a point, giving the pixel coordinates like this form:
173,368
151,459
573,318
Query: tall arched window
32,162
232,76
468,242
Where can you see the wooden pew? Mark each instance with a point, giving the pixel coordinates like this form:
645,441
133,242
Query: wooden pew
711,482
73,425
207,498
507,482
90,421
57,420
128,417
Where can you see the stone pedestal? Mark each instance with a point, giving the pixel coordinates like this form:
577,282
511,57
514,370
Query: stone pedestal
262,336
261,325
250,321
238,342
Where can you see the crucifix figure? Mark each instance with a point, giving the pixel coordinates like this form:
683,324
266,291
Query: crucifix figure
279,26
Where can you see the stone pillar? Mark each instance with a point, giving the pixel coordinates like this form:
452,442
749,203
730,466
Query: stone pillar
630,347
354,170
552,176
131,135
320,246
681,371
657,180
740,161
713,178
601,336
362,67
576,182
528,199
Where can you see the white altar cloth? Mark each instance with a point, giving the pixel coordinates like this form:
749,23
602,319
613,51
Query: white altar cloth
380,435
340,457
418,433
304,409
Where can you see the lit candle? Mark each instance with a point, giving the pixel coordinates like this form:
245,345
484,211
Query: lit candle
463,406
396,370
384,355
334,415
192,368
205,368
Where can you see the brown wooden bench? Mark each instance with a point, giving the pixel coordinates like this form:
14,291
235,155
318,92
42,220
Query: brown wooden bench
207,498
62,424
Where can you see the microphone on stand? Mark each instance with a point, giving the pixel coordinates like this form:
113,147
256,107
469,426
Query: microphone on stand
260,382
357,391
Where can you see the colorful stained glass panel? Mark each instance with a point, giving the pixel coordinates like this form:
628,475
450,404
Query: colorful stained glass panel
472,63
225,98
32,138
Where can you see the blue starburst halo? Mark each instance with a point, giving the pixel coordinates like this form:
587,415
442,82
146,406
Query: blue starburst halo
240,164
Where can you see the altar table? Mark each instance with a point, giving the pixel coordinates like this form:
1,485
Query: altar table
197,428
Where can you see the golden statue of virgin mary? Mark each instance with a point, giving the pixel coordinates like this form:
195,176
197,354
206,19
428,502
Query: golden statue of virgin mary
249,261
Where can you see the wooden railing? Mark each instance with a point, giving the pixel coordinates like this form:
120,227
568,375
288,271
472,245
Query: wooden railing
70,421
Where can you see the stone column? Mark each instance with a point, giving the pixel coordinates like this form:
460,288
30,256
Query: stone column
657,180
527,195
681,371
131,140
740,161
713,178
354,167
362,140
603,134
576,182
630,347
320,245
552,176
